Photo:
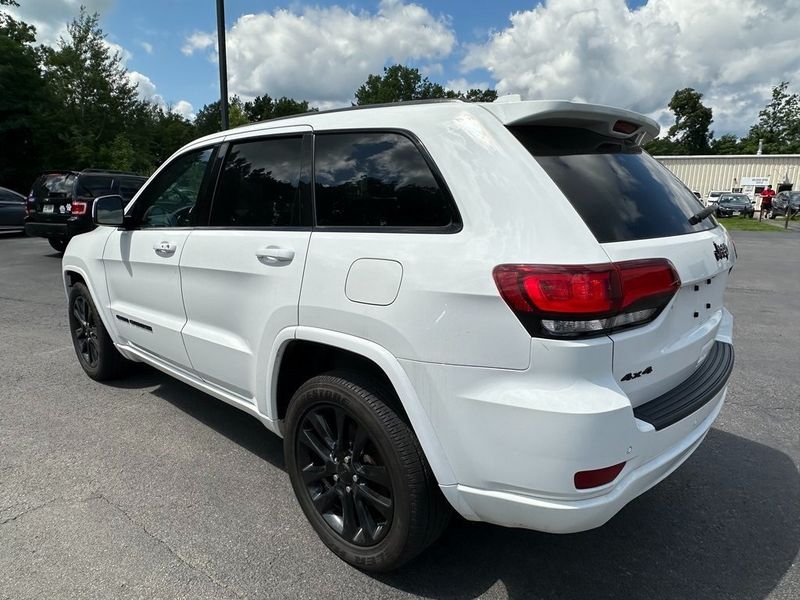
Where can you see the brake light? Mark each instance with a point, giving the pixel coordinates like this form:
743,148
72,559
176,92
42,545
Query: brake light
580,300
597,477
625,127
79,208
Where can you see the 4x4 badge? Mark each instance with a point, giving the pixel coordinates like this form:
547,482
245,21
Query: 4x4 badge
720,250
636,374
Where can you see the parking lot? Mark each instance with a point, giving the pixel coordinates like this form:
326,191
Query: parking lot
151,489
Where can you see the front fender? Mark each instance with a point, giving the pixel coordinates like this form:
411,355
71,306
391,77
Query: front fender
84,257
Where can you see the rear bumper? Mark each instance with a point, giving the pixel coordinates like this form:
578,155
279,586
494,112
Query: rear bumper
571,516
65,230
515,439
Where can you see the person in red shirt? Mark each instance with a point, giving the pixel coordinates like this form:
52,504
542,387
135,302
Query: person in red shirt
766,200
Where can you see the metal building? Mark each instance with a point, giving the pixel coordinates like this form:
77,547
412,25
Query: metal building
747,173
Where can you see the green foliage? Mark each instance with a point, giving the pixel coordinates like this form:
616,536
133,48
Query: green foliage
209,118
263,108
664,147
692,121
401,84
778,123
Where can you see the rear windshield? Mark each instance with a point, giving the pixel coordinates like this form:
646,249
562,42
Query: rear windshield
620,191
53,184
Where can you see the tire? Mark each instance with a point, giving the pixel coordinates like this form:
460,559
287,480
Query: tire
58,244
339,427
772,215
96,353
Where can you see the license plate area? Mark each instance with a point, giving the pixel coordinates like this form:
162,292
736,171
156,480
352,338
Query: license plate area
47,208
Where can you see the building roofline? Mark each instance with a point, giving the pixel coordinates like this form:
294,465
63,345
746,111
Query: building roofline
742,156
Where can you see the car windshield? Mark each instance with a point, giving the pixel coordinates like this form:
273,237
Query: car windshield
735,199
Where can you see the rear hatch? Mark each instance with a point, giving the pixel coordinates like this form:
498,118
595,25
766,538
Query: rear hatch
51,197
636,209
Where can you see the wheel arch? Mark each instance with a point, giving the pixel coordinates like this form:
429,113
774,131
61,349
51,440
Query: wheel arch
380,364
73,273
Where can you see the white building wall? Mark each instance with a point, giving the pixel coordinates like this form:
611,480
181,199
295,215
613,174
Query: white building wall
706,173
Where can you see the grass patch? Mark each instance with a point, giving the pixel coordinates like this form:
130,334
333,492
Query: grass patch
738,224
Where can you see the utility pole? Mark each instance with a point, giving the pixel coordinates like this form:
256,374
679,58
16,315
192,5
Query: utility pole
223,65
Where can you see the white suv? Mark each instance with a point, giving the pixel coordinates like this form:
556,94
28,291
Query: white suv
506,309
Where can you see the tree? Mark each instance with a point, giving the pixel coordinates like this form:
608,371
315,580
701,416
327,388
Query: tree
397,84
473,95
727,144
692,121
94,93
209,120
778,123
664,146
23,102
263,108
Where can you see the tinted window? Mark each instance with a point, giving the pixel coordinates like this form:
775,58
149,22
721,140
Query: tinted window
260,185
376,180
95,185
620,191
9,196
128,186
53,184
170,198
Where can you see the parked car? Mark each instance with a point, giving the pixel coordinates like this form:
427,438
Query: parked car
729,205
12,210
60,202
784,199
509,310
713,196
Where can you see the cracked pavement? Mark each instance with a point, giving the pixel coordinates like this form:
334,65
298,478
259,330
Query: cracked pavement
150,489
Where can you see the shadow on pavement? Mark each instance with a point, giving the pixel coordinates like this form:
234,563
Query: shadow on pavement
725,525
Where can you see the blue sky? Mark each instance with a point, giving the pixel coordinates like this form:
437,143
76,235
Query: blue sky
631,53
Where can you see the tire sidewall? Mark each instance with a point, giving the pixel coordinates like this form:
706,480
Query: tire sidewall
390,548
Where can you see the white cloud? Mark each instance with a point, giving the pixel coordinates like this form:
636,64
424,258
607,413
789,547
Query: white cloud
733,51
125,55
184,109
146,88
50,17
148,47
198,41
324,54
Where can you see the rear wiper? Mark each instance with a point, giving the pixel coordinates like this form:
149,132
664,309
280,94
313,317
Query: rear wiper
699,216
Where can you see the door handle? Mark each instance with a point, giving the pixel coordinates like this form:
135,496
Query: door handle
164,248
274,254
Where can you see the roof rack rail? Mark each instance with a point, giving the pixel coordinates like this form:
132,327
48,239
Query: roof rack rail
355,107
109,171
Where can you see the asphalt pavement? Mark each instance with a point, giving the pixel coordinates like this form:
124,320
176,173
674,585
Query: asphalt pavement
150,489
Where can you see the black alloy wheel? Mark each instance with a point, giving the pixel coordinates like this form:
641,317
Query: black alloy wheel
96,352
359,473
85,334
345,475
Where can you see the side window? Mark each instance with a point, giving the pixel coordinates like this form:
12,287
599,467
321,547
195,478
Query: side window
376,179
260,185
168,201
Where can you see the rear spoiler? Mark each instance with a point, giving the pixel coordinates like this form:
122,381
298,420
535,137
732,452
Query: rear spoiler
614,122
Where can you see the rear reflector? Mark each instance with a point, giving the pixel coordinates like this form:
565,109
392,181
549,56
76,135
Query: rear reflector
597,477
79,208
577,300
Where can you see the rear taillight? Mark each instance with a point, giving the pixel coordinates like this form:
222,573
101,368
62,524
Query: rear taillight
581,300
79,208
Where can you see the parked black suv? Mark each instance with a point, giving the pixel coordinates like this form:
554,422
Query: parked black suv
60,203
784,199
735,204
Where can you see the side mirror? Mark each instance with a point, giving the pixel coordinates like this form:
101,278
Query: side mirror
109,210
